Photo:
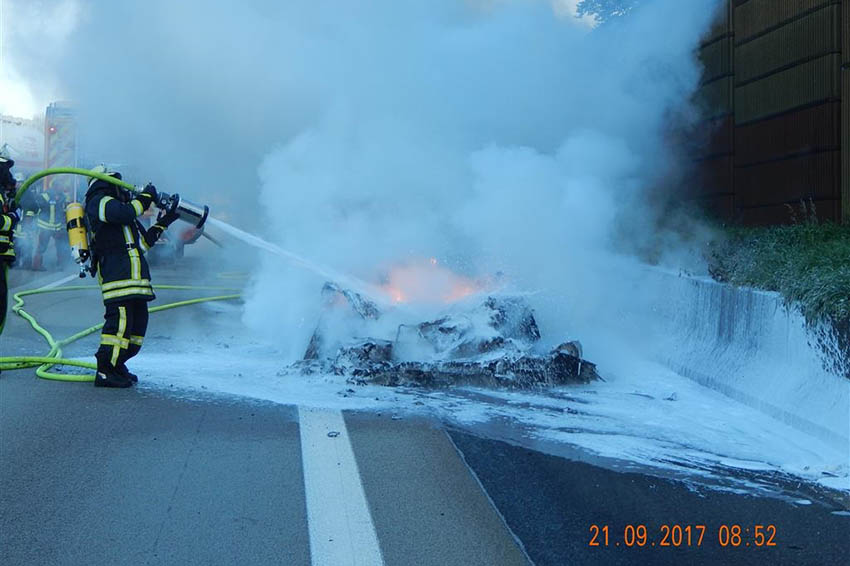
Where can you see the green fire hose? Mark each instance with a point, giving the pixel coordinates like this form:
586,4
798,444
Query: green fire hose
54,356
70,171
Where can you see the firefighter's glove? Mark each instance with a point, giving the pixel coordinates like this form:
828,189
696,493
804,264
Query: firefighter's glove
10,201
147,196
168,216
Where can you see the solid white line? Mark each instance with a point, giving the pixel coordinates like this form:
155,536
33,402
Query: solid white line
341,529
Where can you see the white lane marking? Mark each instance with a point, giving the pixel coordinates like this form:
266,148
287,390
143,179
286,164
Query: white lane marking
341,529
59,282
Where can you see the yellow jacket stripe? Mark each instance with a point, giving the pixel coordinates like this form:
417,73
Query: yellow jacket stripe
125,283
107,295
101,208
133,252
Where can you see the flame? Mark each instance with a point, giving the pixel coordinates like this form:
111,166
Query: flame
426,281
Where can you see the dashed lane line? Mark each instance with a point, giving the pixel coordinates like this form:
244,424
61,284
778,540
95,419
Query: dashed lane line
342,532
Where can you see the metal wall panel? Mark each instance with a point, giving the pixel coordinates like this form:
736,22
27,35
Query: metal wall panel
716,59
721,137
753,17
810,176
716,98
827,210
810,130
722,25
714,177
812,36
720,206
813,81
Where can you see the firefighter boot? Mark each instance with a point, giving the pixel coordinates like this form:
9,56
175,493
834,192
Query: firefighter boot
122,370
36,263
108,376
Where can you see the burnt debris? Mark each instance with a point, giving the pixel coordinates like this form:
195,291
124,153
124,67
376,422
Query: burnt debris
494,343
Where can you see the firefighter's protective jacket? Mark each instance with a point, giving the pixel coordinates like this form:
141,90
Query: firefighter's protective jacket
51,211
7,242
118,244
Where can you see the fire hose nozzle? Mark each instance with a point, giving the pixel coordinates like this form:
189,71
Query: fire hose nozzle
190,212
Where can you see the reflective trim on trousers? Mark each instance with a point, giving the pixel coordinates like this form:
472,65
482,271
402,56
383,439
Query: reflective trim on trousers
122,328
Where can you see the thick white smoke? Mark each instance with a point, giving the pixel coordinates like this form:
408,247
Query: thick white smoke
494,136
499,140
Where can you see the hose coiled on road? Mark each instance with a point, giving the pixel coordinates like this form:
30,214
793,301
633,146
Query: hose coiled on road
43,364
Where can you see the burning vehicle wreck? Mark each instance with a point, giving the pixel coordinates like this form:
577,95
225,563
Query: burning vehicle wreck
489,340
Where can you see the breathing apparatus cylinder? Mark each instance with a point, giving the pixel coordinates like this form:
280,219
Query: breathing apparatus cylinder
77,237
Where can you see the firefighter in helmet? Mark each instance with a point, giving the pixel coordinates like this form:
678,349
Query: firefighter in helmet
118,243
9,217
50,220
25,232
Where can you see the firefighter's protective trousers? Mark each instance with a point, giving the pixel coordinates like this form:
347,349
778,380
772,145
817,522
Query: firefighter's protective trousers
118,245
124,328
7,258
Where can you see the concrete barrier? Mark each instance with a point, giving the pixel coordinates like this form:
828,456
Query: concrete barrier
750,346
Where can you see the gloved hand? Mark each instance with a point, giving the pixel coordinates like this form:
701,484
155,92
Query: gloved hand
148,195
167,217
10,201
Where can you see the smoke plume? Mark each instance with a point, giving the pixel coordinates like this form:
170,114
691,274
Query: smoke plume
494,136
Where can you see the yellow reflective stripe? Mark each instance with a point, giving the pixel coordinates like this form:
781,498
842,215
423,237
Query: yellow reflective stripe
101,209
143,244
125,283
122,323
122,327
4,239
137,206
7,223
129,291
137,340
112,340
135,262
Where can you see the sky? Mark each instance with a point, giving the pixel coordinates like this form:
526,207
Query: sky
32,33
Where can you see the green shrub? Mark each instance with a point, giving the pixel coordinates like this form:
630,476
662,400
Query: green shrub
808,263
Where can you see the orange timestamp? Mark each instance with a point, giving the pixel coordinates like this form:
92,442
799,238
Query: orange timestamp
677,536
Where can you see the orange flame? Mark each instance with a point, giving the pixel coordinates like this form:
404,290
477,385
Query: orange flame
426,281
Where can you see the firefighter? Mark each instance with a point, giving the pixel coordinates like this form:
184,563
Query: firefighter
50,220
9,217
25,233
118,242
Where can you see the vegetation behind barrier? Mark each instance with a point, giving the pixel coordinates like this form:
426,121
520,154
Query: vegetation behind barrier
808,263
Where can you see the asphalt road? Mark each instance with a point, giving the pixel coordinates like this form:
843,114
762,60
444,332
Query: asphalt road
143,476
